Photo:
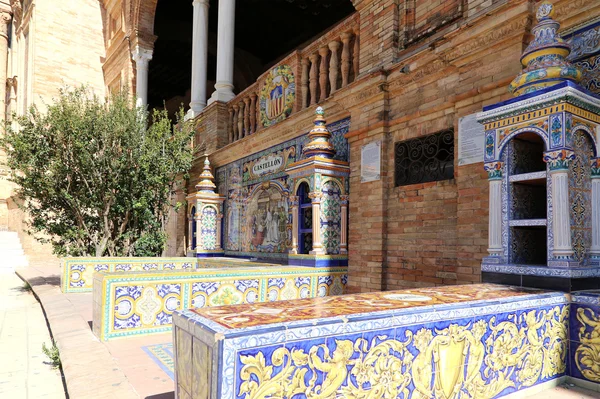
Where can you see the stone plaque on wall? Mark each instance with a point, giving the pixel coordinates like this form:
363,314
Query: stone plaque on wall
470,140
370,162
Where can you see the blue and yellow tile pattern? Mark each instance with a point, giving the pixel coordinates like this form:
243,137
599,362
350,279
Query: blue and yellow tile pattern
483,341
135,303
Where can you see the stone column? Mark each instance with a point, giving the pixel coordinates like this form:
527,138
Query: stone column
344,226
225,49
241,133
5,18
236,133
355,60
230,126
253,98
323,51
316,223
199,56
142,58
346,36
558,162
304,81
294,203
314,78
333,65
246,116
494,170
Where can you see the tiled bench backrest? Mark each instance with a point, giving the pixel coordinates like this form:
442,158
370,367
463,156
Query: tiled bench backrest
135,303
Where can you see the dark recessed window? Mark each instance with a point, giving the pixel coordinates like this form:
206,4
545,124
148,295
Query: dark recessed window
425,159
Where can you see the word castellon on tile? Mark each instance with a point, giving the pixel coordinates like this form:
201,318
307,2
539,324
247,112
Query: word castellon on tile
541,155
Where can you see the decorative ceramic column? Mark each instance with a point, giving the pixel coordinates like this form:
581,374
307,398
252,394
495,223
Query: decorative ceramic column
558,162
333,65
314,78
208,216
323,52
316,198
190,231
5,18
344,227
294,202
595,248
494,170
142,59
219,223
225,49
199,56
346,36
304,81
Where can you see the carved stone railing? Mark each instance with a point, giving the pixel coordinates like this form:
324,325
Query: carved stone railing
312,74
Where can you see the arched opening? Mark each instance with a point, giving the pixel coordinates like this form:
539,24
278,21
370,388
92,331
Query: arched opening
527,199
305,231
265,31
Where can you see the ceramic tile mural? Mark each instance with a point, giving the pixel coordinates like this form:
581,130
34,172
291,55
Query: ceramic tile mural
77,273
585,54
585,336
481,341
257,211
580,191
143,302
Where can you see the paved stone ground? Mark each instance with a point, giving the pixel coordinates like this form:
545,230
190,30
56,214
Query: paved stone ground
24,369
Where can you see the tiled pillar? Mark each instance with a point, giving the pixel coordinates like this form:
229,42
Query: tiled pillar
294,201
225,52
316,223
142,59
494,170
198,225
595,248
344,226
199,56
558,162
219,222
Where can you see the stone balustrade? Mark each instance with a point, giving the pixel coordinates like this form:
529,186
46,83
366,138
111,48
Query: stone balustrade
326,65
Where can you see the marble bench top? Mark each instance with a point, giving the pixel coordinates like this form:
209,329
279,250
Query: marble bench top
389,302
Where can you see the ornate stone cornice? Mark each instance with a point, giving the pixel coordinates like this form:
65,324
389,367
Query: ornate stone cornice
492,37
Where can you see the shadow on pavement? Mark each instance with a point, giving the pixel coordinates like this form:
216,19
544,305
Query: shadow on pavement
166,395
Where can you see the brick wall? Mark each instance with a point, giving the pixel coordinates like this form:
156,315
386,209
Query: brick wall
423,234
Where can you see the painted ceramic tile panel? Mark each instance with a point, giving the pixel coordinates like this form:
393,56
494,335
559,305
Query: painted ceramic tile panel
485,357
77,273
585,336
585,52
251,315
257,218
580,188
143,303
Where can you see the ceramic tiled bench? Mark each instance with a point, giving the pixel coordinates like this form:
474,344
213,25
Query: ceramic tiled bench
483,341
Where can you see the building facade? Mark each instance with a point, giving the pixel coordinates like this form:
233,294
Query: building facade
400,82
